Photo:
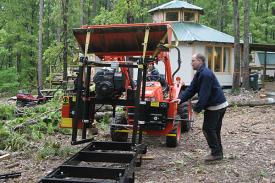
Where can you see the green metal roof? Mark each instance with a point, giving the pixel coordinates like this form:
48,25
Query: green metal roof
176,4
270,58
191,31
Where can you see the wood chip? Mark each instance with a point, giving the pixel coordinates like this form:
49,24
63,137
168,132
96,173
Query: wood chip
4,157
147,157
12,165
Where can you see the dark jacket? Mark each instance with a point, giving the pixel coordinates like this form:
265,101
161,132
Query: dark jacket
154,75
208,88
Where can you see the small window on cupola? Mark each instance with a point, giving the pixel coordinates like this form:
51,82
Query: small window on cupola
189,16
172,16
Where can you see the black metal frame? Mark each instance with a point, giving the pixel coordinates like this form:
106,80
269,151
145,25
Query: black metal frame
127,153
86,102
104,152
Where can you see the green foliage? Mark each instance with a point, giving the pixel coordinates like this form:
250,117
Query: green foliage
4,134
236,91
49,149
6,111
54,148
14,141
104,122
235,108
46,117
52,55
9,81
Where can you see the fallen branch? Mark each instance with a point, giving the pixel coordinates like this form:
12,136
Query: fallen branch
5,156
33,121
10,175
12,165
253,103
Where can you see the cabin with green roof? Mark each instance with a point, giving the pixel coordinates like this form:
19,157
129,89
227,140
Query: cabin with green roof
266,59
194,38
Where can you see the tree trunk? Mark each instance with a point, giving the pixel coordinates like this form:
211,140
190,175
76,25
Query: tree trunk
224,15
81,12
236,74
245,68
257,6
48,24
9,57
65,37
18,57
94,8
130,18
33,23
142,6
18,65
40,46
47,37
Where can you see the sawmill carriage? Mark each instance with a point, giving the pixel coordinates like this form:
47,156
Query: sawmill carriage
119,78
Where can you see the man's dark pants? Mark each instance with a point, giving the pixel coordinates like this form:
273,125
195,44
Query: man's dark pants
212,130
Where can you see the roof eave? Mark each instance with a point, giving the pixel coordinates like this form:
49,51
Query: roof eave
200,11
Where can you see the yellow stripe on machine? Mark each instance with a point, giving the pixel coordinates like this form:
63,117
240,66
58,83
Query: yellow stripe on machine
66,123
171,135
154,104
128,131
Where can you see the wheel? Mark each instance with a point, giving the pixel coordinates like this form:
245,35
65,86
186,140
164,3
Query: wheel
119,136
173,138
185,113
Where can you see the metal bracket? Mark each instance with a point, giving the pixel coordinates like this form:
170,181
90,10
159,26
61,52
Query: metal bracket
146,36
87,42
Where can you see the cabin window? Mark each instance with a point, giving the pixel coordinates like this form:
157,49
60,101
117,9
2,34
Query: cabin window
226,60
209,57
218,58
189,16
172,16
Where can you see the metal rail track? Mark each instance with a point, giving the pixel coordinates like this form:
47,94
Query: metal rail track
100,162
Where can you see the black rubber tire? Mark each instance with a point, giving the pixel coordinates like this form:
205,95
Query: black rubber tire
183,113
119,136
173,141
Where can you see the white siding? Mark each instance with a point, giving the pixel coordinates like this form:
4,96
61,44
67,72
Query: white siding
186,71
158,17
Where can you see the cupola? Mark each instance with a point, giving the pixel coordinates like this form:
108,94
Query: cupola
176,11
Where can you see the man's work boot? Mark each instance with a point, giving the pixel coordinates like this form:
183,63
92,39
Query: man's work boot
210,157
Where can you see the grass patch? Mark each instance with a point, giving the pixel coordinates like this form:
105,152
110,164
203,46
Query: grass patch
53,148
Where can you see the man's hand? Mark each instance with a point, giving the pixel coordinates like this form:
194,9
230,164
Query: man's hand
176,100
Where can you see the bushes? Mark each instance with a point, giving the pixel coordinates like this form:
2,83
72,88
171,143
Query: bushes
9,81
53,148
6,112
46,119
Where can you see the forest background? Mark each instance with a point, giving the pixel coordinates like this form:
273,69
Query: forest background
23,55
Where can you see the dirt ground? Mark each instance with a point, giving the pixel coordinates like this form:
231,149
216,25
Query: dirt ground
249,145
248,136
269,86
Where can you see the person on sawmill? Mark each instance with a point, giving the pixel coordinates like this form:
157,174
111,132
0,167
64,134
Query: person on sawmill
211,99
152,73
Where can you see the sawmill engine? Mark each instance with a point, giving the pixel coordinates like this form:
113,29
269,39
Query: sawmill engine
109,84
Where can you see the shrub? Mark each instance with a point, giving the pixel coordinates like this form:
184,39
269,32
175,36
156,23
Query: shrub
6,112
9,81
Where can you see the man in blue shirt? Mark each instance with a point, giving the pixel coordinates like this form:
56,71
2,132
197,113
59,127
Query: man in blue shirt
152,73
211,99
